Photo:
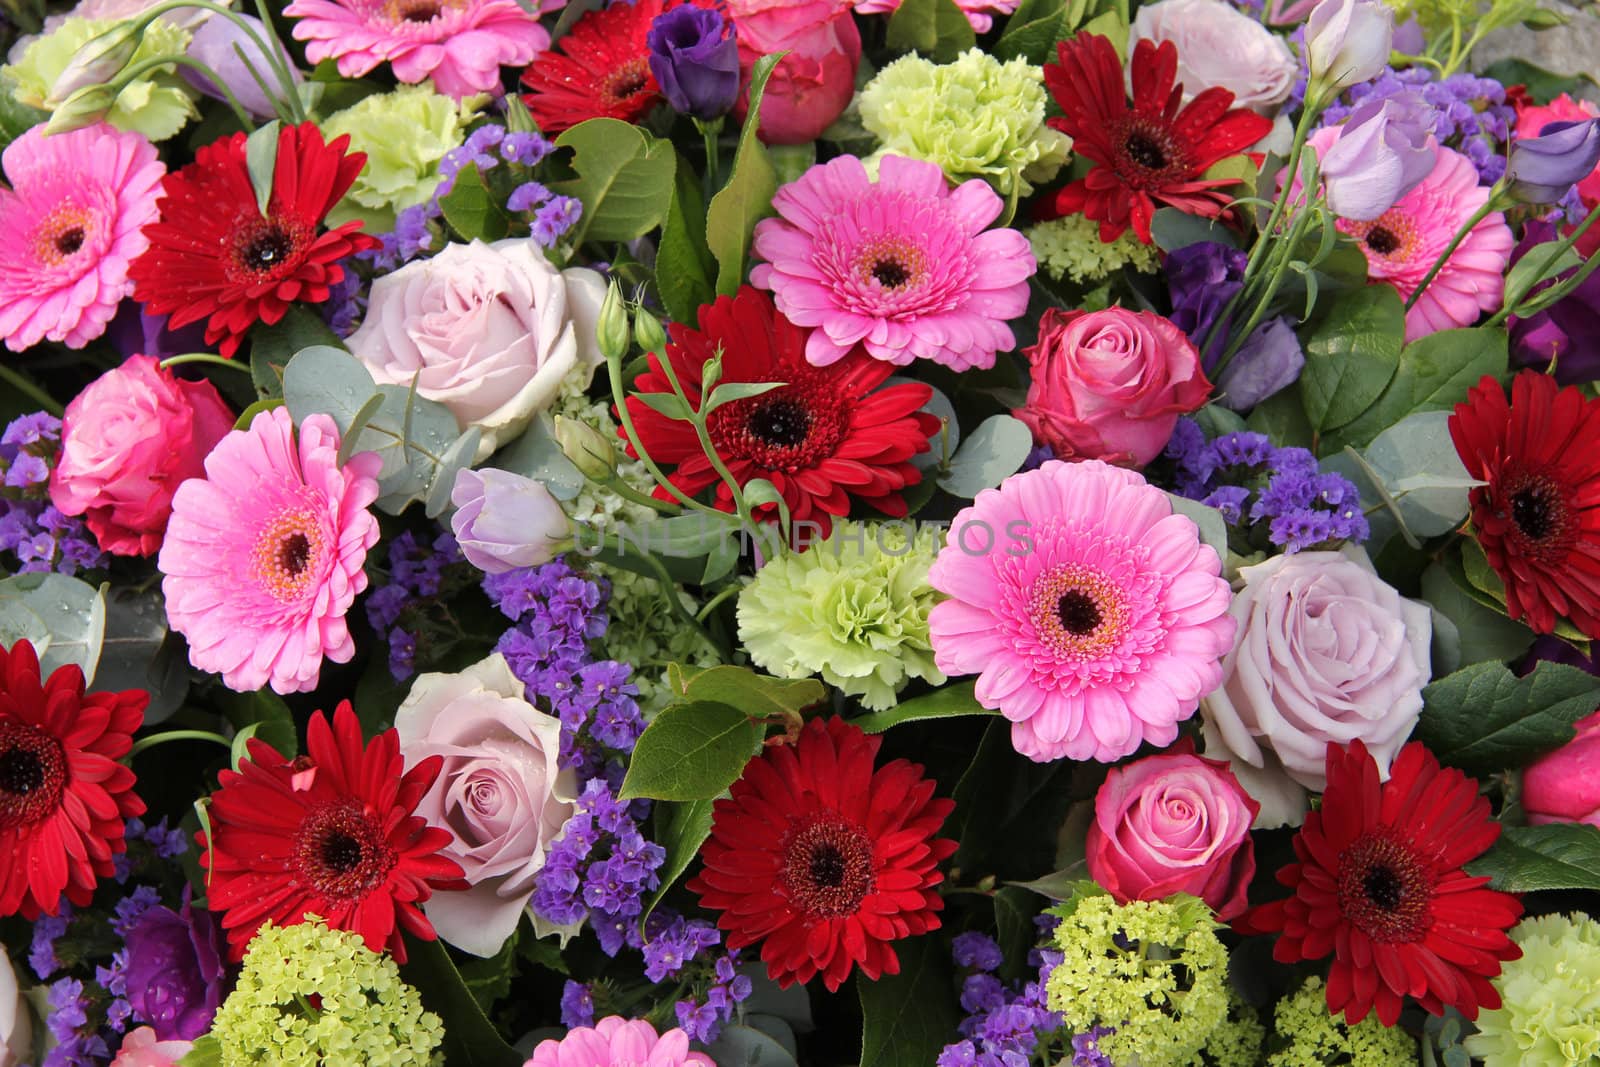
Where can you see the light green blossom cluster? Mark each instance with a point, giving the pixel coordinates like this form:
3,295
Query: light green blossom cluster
157,104
404,134
1070,247
853,608
1236,1040
1318,1037
1153,970
975,118
310,996
1550,1012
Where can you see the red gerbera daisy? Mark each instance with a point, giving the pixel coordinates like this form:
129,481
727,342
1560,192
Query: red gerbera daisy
331,833
823,859
1380,885
63,796
600,69
1152,152
214,256
824,438
1538,519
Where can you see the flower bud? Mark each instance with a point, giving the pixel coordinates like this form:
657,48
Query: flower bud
611,331
101,58
694,55
85,107
647,331
1385,149
1541,169
591,453
504,521
1347,42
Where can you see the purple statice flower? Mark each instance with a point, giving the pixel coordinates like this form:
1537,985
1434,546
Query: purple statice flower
555,218
131,908
176,965
31,528
68,1019
526,197
1228,499
479,144
1470,113
976,950
47,930
1242,448
27,470
40,427
699,1021
577,1004
602,867
1086,1048
1003,1022
528,149
672,943
402,654
344,305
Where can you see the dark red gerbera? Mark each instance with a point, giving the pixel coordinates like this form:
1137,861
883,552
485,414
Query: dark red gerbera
1380,885
600,69
214,256
1153,152
1538,519
64,798
823,859
331,833
828,436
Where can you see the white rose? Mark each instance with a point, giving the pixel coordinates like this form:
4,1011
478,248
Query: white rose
15,1027
1218,45
1326,652
491,329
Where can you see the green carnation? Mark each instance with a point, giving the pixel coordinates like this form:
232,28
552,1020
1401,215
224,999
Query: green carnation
157,103
853,608
1317,1038
975,118
362,1011
404,134
1550,1012
1070,247
1153,970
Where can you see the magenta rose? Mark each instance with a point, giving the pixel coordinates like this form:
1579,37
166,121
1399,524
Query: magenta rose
1110,384
127,442
1564,785
814,83
1174,823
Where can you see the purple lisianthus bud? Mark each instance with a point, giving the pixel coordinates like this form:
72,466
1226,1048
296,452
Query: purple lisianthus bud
1202,278
694,54
1567,332
175,970
1384,150
504,521
1269,361
1541,169
213,45
1348,41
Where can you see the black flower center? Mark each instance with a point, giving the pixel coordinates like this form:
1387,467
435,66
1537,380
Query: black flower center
1384,888
294,554
891,273
21,772
69,241
1145,151
33,772
628,80
1078,612
1531,511
341,852
1381,241
782,423
827,866
423,11
267,249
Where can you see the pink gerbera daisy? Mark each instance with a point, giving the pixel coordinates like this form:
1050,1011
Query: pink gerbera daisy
618,1042
1403,243
263,555
902,266
69,226
460,44
1093,615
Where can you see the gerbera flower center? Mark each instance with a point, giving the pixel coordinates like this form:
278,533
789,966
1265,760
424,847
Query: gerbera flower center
288,553
779,422
1381,241
415,10
1392,237
627,81
1537,509
62,234
789,429
32,774
266,248
1144,151
1147,153
827,866
1078,612
1385,889
891,262
340,852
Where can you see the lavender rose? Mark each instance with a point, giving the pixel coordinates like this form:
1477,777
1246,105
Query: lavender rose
1220,46
15,1026
175,970
489,331
501,793
1327,652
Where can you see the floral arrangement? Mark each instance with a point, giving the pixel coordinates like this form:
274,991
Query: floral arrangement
717,533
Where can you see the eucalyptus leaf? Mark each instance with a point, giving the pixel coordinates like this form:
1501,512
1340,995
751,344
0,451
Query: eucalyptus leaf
71,613
942,444
991,454
456,458
138,652
536,454
358,422
1213,527
261,160
741,1045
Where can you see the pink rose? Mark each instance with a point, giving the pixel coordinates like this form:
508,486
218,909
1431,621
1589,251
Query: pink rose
141,1049
488,330
1174,823
127,442
980,13
815,81
1564,785
501,793
1110,384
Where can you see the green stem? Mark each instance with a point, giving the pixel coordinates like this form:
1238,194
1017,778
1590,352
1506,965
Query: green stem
153,740
698,421
273,56
620,399
715,602
203,357
1491,204
628,492
708,133
1509,304
669,587
131,73
1274,283
28,388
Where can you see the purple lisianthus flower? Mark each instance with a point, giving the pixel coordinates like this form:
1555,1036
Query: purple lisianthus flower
1541,169
134,333
175,970
1269,361
1202,278
694,54
1567,332
214,43
1383,152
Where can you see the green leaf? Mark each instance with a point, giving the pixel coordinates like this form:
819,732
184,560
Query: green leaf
469,1036
358,422
1174,229
1213,527
1490,591
489,979
1528,859
950,702
691,751
207,1052
271,347
1485,719
537,455
671,405
1058,885
907,1018
625,179
759,695
1282,418
1351,355
685,272
267,713
138,652
747,198
1035,27
990,454
1485,633
472,210
936,28
260,160
731,391
681,829
742,1045
63,618
248,415
1434,374
456,458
